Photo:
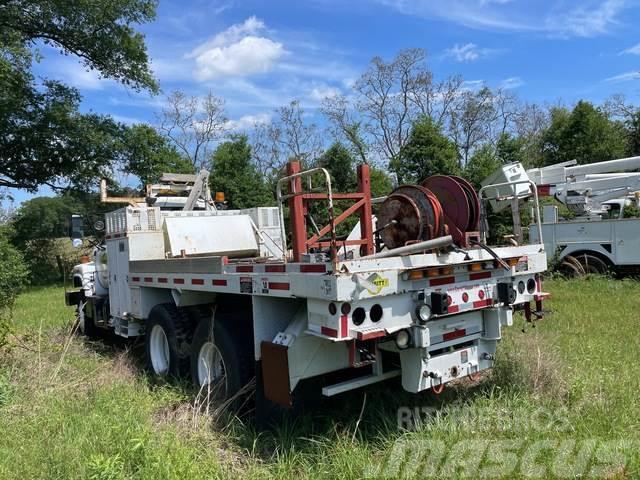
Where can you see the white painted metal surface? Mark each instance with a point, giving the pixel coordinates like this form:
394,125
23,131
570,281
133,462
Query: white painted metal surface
232,236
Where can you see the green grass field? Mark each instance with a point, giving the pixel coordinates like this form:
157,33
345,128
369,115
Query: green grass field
563,401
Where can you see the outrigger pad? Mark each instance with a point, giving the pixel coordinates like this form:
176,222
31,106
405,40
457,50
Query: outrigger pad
275,373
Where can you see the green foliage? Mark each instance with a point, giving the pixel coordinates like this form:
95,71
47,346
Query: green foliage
45,126
234,174
427,152
509,149
40,120
40,230
13,277
100,32
13,273
585,134
632,129
381,183
43,218
631,211
482,164
338,161
148,155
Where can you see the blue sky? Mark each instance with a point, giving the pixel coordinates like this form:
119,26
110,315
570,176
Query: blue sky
258,55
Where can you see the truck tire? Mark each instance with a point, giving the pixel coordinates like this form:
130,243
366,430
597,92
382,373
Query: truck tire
222,360
86,324
593,264
167,341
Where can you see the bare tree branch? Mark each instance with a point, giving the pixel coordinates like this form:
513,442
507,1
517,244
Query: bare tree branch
194,124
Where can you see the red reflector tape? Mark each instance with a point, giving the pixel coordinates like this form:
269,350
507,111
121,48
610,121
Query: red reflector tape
371,335
244,268
135,279
197,281
274,268
179,281
311,268
483,303
148,279
453,335
219,283
278,286
453,309
163,280
436,282
480,275
329,332
344,326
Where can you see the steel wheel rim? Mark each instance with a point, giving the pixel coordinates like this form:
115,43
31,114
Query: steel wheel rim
211,368
159,350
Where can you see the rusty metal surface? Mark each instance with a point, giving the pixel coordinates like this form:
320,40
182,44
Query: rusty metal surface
400,219
275,373
417,214
453,199
474,203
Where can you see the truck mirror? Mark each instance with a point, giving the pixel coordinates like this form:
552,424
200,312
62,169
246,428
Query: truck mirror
76,230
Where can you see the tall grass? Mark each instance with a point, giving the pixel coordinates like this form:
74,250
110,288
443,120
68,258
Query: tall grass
79,409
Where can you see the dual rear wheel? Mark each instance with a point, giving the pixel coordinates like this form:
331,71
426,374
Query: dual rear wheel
216,355
583,264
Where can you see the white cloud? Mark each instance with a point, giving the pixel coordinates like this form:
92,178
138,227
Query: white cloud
468,52
511,83
321,92
560,18
239,51
635,50
624,77
586,21
248,122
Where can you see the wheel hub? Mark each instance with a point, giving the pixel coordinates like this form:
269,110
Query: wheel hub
211,369
159,350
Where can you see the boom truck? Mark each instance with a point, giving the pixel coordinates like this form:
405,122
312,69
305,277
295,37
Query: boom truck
228,295
599,237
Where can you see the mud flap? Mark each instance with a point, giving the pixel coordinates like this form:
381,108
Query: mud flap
275,374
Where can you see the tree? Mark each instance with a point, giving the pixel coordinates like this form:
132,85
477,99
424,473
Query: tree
148,154
345,126
193,124
234,174
44,218
341,165
289,137
100,33
471,121
427,152
585,134
47,141
391,96
299,139
617,107
381,183
13,276
483,163
44,137
509,149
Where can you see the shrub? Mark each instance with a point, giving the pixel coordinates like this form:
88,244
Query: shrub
13,276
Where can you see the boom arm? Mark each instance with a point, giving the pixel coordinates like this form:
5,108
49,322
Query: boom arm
582,188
